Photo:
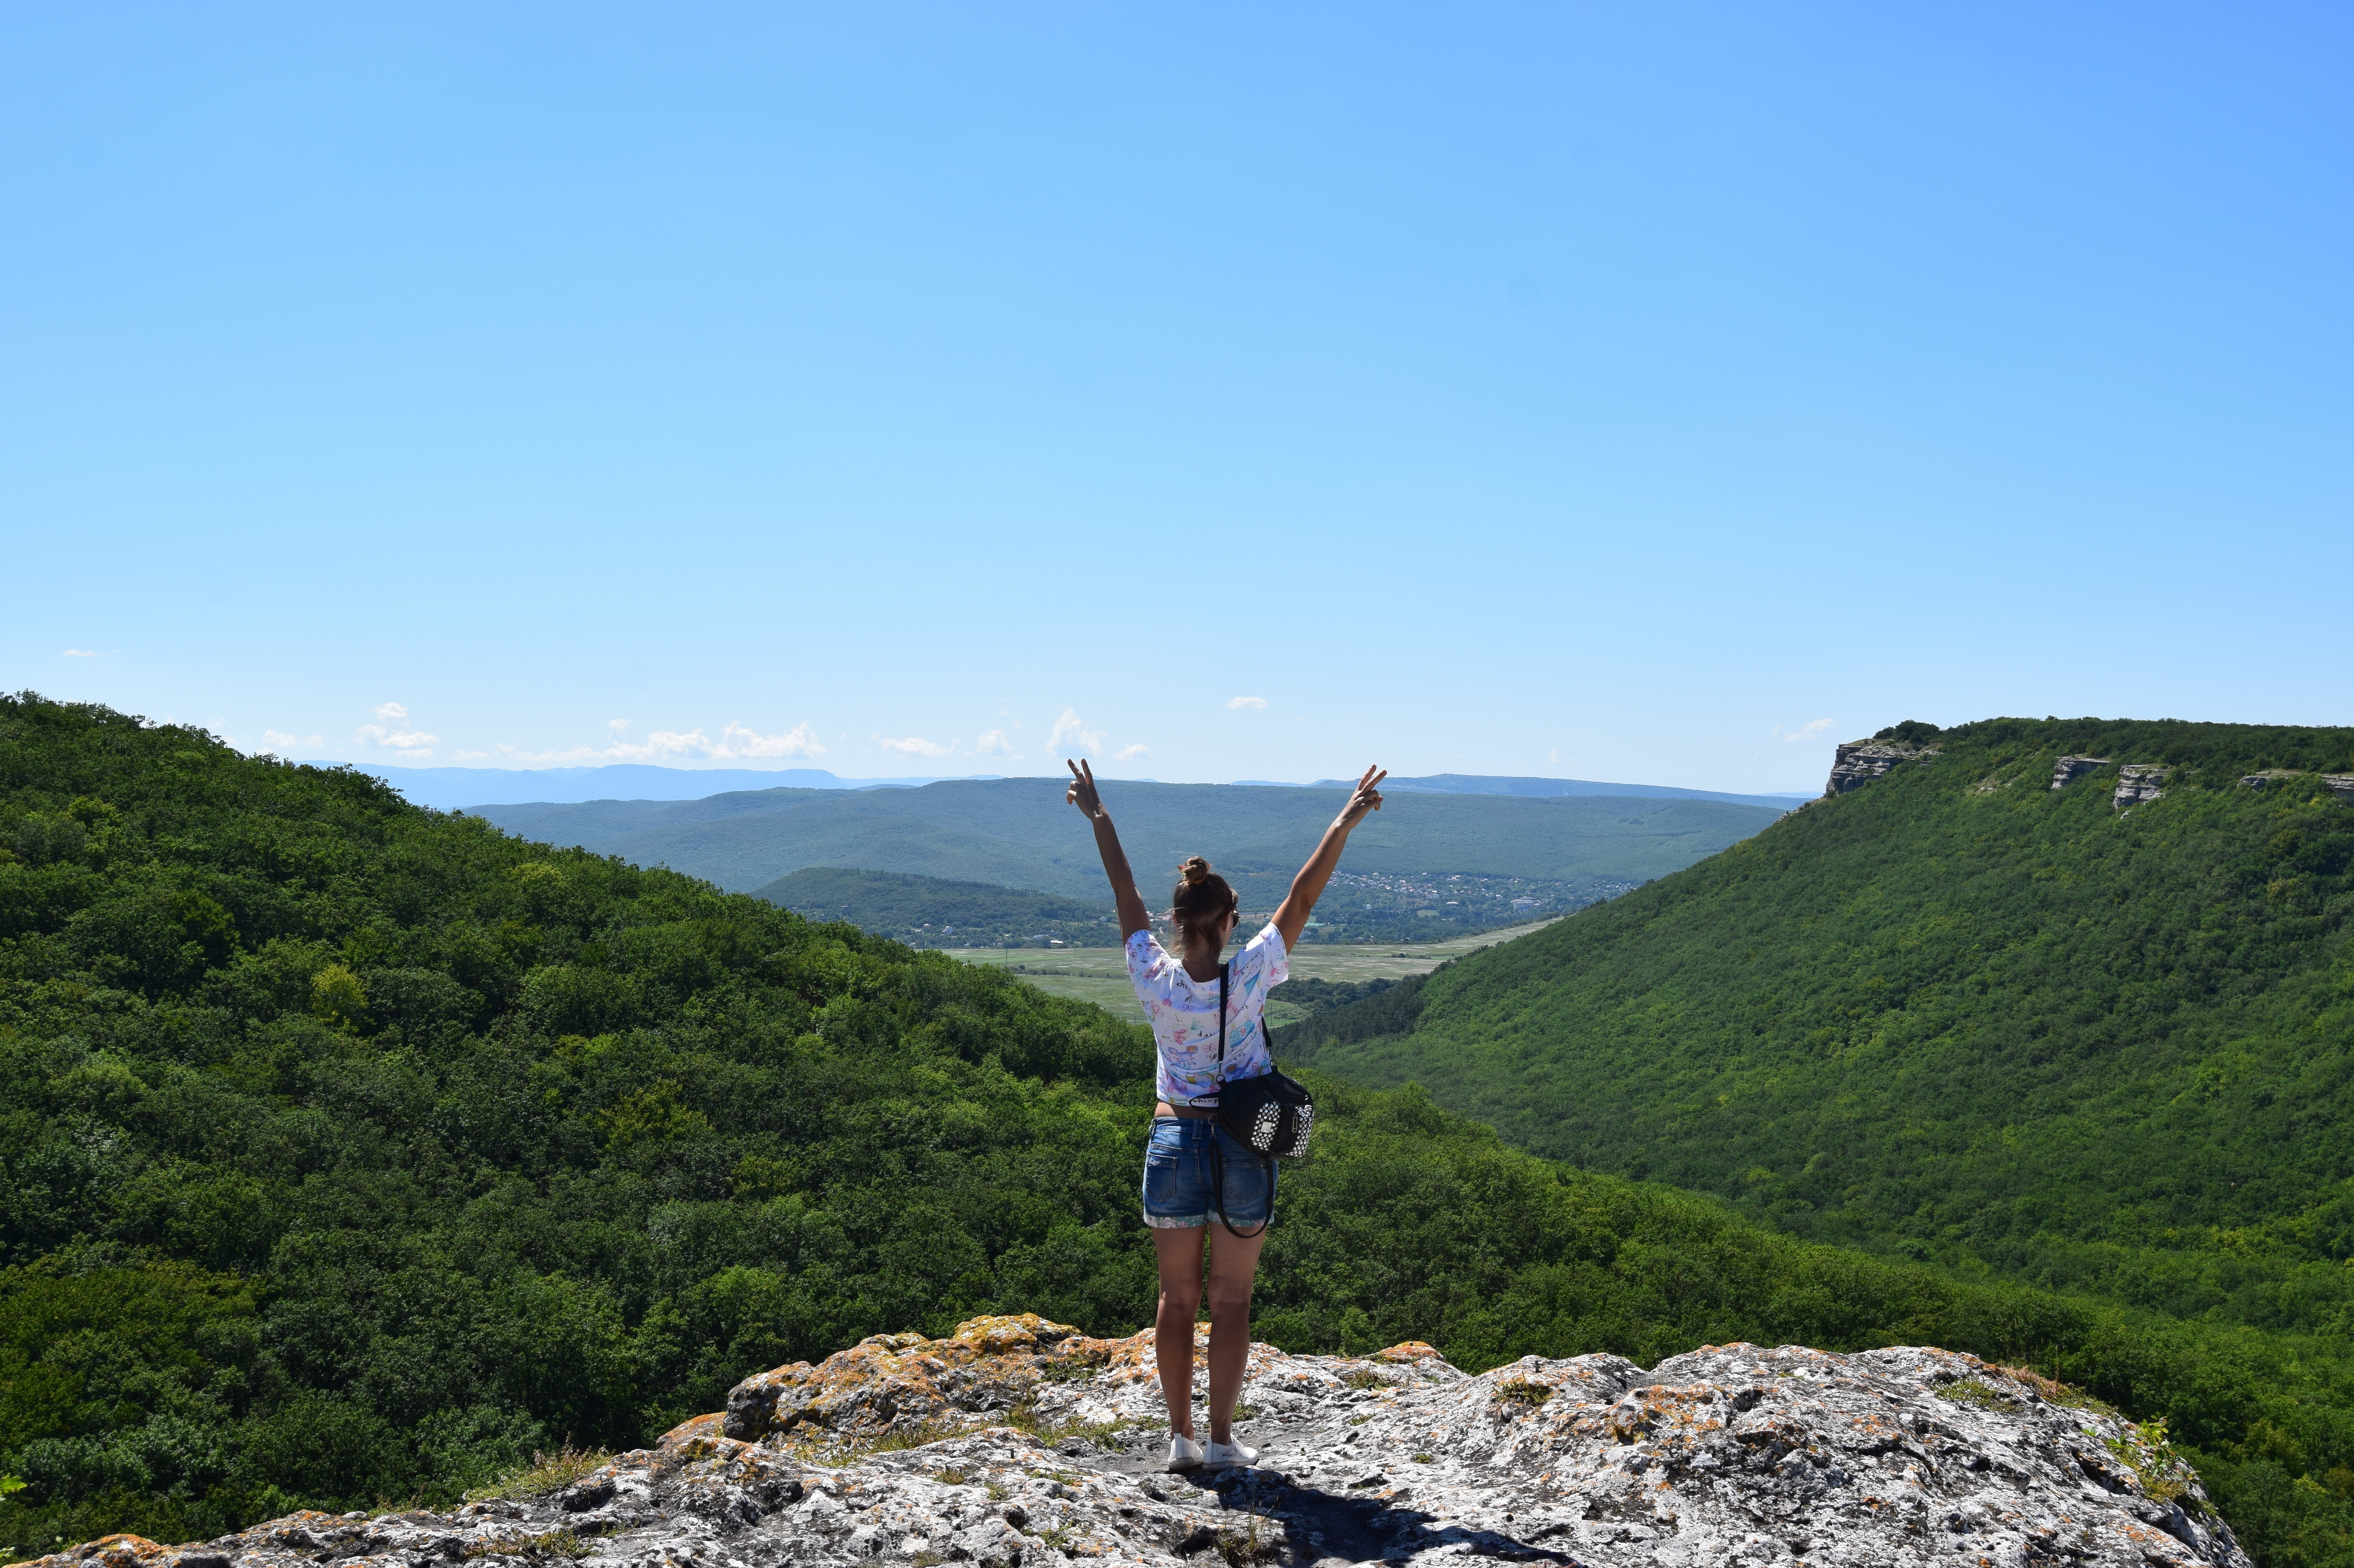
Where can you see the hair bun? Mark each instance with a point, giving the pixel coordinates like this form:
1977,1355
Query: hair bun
1194,870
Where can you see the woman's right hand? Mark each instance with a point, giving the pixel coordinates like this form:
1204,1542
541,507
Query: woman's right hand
1368,797
1082,792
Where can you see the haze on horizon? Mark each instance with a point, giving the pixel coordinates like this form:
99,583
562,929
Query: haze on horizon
1652,396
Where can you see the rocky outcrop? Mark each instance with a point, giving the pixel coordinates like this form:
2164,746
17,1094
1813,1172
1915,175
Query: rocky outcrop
2139,782
1017,1443
1859,762
2340,785
2068,769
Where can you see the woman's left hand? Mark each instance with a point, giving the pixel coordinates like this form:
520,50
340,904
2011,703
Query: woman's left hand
1368,797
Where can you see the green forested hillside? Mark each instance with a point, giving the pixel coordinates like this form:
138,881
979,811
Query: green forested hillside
932,912
1958,1015
1017,832
350,1152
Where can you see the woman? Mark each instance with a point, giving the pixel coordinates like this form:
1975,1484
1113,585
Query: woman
1193,1171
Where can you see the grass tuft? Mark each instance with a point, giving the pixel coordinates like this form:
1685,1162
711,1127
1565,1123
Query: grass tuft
546,1473
1970,1391
2060,1393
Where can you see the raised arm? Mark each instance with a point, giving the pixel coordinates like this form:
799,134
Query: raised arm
1082,794
1291,916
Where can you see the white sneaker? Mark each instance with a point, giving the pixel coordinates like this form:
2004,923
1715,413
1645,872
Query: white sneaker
1185,1454
1230,1455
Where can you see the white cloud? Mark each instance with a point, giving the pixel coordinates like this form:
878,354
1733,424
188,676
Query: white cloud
1553,756
915,745
1131,753
1071,734
992,742
736,740
1246,702
392,733
81,653
1807,731
278,743
670,743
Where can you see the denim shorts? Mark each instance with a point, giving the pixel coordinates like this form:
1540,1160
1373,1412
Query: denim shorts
1181,1180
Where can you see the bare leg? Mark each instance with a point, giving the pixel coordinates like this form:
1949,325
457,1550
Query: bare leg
1179,1254
1233,1266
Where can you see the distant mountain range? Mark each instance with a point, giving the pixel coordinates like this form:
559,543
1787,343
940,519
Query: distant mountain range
1017,832
460,788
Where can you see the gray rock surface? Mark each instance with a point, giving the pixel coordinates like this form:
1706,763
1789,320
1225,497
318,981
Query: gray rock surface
901,1452
2139,782
2068,769
1859,762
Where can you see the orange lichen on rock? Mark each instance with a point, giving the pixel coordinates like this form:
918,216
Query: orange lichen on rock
1409,1350
989,1364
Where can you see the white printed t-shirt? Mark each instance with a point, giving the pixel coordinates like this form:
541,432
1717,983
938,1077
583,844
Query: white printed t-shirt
1184,1013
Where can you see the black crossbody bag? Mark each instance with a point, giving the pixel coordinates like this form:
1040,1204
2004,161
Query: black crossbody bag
1270,1115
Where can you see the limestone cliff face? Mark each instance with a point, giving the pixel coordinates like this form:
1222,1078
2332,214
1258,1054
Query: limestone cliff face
2139,782
1018,1443
2068,769
1859,762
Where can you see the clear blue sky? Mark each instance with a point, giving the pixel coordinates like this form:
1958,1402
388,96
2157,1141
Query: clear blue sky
1609,392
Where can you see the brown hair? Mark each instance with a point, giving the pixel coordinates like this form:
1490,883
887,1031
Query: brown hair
1203,898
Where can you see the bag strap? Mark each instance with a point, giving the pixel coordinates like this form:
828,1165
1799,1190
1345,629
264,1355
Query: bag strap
1222,1022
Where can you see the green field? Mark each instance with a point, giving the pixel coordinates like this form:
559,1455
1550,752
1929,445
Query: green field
1099,975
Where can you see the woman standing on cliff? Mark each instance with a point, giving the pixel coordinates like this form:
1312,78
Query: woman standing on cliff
1184,1188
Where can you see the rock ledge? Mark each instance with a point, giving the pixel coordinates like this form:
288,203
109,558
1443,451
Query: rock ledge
1017,1441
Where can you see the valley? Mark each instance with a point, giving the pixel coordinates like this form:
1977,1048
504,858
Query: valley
1358,908
356,1152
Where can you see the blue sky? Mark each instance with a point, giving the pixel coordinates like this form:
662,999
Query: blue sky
1652,393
